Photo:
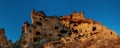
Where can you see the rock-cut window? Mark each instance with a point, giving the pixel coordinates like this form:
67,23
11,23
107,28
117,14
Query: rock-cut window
38,23
94,28
35,39
37,33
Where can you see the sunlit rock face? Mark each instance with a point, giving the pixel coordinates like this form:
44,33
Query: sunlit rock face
69,31
85,33
85,27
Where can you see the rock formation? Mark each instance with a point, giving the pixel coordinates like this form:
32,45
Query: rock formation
70,31
3,38
4,43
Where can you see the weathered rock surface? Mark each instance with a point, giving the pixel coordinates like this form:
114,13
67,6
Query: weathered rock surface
4,43
70,31
3,38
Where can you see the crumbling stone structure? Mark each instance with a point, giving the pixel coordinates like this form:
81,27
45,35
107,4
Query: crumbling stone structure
87,28
65,28
68,31
42,27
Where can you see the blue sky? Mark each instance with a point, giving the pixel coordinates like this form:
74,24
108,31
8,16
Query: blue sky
13,13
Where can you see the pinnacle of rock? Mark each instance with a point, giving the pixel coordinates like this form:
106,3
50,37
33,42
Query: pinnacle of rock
3,38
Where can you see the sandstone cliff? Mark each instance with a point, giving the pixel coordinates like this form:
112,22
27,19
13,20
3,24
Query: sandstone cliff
70,31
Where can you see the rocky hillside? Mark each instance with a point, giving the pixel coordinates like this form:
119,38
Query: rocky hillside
69,31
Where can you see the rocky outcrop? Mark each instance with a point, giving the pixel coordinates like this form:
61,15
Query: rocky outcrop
4,43
62,30
70,31
87,28
85,33
3,38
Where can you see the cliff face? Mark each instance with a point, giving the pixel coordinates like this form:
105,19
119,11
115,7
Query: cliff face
87,28
70,31
45,30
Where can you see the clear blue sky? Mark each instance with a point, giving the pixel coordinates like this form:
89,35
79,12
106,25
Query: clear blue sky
13,13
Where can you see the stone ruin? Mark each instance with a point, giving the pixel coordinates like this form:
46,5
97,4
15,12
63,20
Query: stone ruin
68,31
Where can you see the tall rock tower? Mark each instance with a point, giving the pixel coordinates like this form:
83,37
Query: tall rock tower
42,27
